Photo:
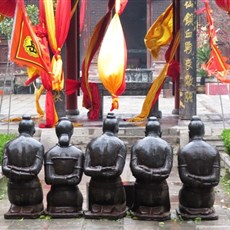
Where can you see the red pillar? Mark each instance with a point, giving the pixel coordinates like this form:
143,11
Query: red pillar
176,27
72,62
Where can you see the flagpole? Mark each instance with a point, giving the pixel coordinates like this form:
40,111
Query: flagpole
221,104
10,71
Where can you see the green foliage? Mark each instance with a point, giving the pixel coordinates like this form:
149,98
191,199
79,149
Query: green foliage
4,138
225,181
202,73
45,217
203,50
225,136
6,25
197,220
3,188
33,12
203,53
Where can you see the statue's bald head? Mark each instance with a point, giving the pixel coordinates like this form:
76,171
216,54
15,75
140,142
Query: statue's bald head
110,123
64,131
196,127
153,126
26,125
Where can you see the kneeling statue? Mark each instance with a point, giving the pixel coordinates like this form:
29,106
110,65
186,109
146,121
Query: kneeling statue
63,171
104,163
22,161
151,163
199,171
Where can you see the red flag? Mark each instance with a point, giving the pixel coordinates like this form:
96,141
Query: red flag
217,64
32,51
25,46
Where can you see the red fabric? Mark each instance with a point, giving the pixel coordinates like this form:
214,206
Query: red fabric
62,21
168,51
216,65
157,95
216,62
174,70
174,66
31,79
123,85
94,44
111,4
22,32
71,86
45,77
82,15
49,104
200,11
223,79
50,107
224,4
122,6
93,114
46,81
42,17
7,8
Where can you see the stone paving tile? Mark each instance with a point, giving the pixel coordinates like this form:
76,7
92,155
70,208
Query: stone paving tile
126,223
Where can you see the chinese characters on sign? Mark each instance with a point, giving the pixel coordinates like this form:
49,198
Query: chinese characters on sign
188,59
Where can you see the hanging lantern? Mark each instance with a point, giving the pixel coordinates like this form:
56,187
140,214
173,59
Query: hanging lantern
224,5
112,58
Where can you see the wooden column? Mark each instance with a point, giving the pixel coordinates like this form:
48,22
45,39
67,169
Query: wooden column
188,21
72,62
176,28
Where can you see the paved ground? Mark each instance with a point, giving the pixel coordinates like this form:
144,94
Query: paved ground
208,108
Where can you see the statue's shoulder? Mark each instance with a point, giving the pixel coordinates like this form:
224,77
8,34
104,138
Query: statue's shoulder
95,141
154,141
75,150
12,142
53,151
34,141
119,139
206,144
188,146
163,142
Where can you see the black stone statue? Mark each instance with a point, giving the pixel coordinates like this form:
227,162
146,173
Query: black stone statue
104,163
22,161
63,171
199,171
151,163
